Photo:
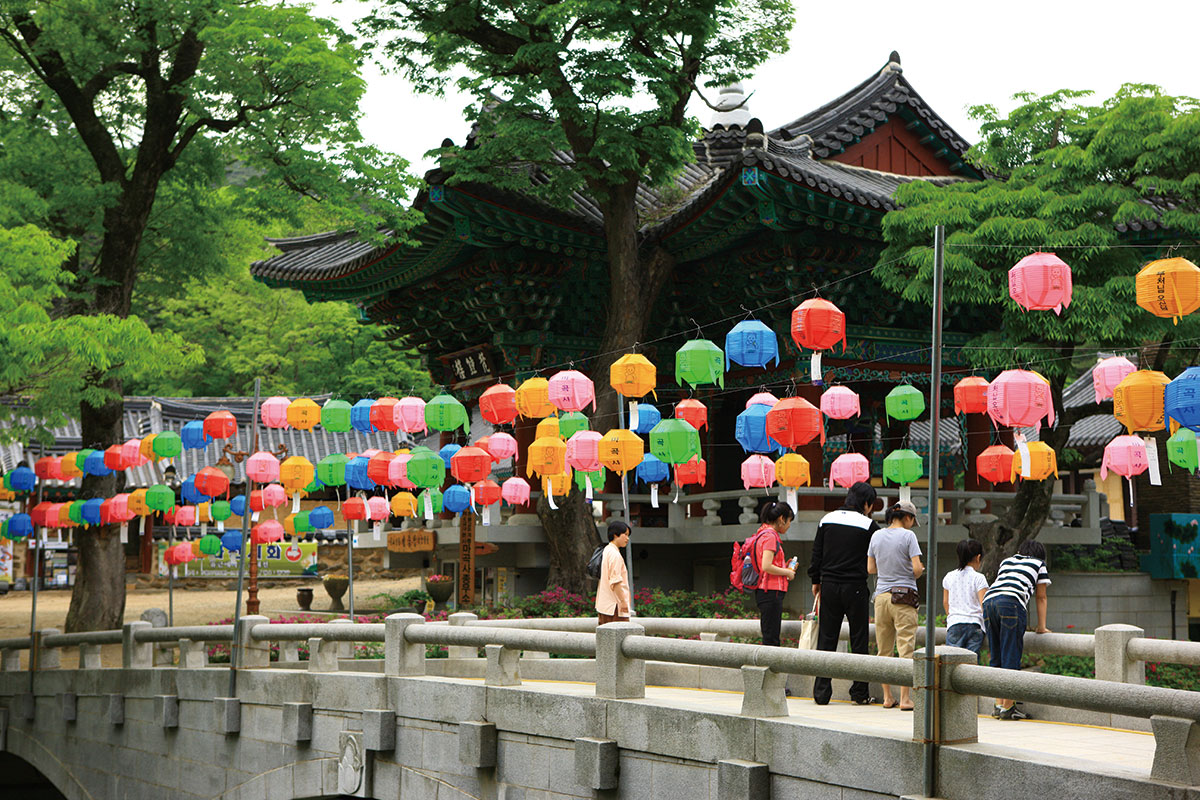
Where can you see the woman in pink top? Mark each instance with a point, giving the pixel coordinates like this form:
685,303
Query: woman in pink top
773,571
612,595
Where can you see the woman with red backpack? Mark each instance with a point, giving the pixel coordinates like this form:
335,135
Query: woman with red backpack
774,572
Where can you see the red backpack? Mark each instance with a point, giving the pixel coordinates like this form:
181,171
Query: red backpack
743,569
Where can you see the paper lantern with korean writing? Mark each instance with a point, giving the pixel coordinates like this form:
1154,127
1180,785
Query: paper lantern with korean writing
1108,373
186,515
1040,282
904,403
571,390
262,467
818,324
391,414
131,452
178,554
533,398
692,411
1181,399
378,509
970,395
840,402
295,473
273,495
849,469
692,473
1169,287
1126,456
487,492
652,469
444,413
456,499
1182,450
596,477
471,464
498,404
758,472
335,416
447,452
68,468
621,450
41,514
356,508
1139,401
193,437
515,491
793,470
1020,399
431,499
1042,463
211,482
160,497
273,412
167,444
750,430
547,428
398,471
572,423
331,470
22,479
425,469
648,416
902,466
502,445
356,474
220,424
220,510
379,468
268,531
674,441
146,447
404,504
632,375
794,422
546,456
994,464
751,343
699,362
360,416
583,451
48,469
70,514
211,545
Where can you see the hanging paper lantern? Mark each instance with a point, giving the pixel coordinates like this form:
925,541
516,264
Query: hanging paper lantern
220,510
647,417
571,423
398,471
693,412
970,395
23,479
456,499
902,466
793,470
762,399
160,498
68,467
699,362
433,497
91,511
818,324
758,472
546,456
1042,463
296,473
379,468
146,448
1169,287
995,464
210,545
335,416
360,416
849,469
356,474
211,482
273,495
1040,282
839,402
694,472
583,451
557,485
331,470
515,492
273,412
355,508
220,425
44,512
571,390
378,509
238,504
294,524
262,467
385,413
232,541
548,428
1108,373
189,493
751,430
487,493
621,450
82,456
269,531
794,422
74,513
444,413
904,402
321,517
404,504
652,469
674,441
20,526
93,465
498,404
533,399
1126,456
179,554
193,437
632,375
447,452
1182,450
1020,399
48,469
426,469
185,515
168,444
1139,401
1181,399
131,452
471,464
751,344
502,445
597,477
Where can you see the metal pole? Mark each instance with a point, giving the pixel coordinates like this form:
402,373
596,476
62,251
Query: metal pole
931,583
625,495
37,568
234,652
350,565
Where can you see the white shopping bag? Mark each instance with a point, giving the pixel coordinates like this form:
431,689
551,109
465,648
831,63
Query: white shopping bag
808,629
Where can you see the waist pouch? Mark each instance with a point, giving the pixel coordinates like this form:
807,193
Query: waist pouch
906,597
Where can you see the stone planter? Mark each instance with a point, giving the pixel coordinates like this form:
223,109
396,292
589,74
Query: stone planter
335,588
440,591
304,598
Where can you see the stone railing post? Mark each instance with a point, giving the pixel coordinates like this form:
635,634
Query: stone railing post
463,618
135,654
10,660
956,715
254,653
342,649
1176,750
618,677
89,656
503,666
400,656
1112,654
193,655
47,657
322,655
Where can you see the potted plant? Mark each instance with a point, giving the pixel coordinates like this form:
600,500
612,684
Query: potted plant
335,587
439,587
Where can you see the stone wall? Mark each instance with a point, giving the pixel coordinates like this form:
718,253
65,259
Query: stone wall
1080,602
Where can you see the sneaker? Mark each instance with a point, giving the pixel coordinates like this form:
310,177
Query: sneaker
1013,713
864,701
996,710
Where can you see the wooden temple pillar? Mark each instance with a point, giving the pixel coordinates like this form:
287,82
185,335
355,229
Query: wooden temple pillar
979,435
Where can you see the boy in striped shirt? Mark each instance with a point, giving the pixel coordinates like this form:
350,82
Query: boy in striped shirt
1004,608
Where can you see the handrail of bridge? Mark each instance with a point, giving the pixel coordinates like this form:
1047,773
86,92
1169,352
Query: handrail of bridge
582,644
331,632
197,633
1164,650
75,639
18,643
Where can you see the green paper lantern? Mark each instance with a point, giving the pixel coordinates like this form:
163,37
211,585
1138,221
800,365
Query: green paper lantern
220,510
301,523
7,481
75,512
903,466
167,444
4,531
698,362
161,498
904,403
674,441
81,457
444,413
598,477
331,470
335,416
572,423
426,469
1182,449
210,545
435,497
314,486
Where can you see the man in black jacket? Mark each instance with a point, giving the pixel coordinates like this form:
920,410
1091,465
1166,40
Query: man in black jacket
839,582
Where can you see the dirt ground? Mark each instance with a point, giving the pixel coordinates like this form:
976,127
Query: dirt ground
192,607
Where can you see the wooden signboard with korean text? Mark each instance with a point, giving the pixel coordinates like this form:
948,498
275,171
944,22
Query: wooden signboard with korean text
466,560
411,541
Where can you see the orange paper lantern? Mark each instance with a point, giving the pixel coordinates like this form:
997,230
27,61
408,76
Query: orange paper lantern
303,414
498,404
818,324
794,422
970,396
621,450
533,399
994,464
547,456
1042,463
1138,400
632,375
1169,287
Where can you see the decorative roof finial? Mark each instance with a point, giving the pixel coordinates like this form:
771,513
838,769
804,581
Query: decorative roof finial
893,64
732,110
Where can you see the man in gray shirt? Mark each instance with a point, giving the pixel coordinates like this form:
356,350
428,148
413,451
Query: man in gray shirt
895,557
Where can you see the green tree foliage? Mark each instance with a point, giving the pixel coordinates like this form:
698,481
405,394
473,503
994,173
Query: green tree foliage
1082,180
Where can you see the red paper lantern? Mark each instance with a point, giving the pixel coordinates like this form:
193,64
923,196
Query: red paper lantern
48,468
487,492
40,514
379,468
818,324
383,414
794,422
498,404
267,531
355,508
692,472
211,482
970,396
114,458
995,463
471,464
693,412
220,425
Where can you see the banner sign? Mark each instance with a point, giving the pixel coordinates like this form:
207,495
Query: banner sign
275,560
411,541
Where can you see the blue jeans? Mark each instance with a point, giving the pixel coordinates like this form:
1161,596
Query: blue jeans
1005,618
967,635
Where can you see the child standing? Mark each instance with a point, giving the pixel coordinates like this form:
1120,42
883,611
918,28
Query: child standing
962,597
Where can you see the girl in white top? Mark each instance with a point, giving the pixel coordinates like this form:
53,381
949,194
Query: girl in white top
962,597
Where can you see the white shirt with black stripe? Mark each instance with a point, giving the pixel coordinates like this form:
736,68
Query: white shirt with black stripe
1017,577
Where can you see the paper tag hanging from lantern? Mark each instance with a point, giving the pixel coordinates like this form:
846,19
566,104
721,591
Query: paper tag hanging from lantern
793,501
1152,461
654,495
428,505
1023,449
633,414
905,493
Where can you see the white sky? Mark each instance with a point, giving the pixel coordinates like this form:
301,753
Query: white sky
955,55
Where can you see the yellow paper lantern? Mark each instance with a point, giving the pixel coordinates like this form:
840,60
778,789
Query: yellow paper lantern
1169,287
195,545
289,525
547,456
404,504
64,514
533,399
793,470
68,466
621,450
137,503
1138,400
303,414
296,472
548,428
632,375
146,448
1042,463
557,485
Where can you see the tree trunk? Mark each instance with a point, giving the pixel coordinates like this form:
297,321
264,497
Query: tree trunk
571,537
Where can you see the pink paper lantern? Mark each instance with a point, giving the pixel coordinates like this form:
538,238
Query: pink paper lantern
840,402
131,452
1020,399
409,415
262,467
583,451
398,472
180,554
267,531
378,509
502,445
760,399
273,495
571,390
1040,282
273,412
1108,373
185,515
758,472
1126,456
119,510
515,492
848,469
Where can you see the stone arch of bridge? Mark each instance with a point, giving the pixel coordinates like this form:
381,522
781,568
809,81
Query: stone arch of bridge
22,750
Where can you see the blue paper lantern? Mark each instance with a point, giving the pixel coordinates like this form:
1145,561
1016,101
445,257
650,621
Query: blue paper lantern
751,430
652,470
321,517
448,452
238,505
232,541
94,464
91,511
23,479
456,499
190,494
751,344
1181,399
193,436
360,416
356,474
20,526
648,417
